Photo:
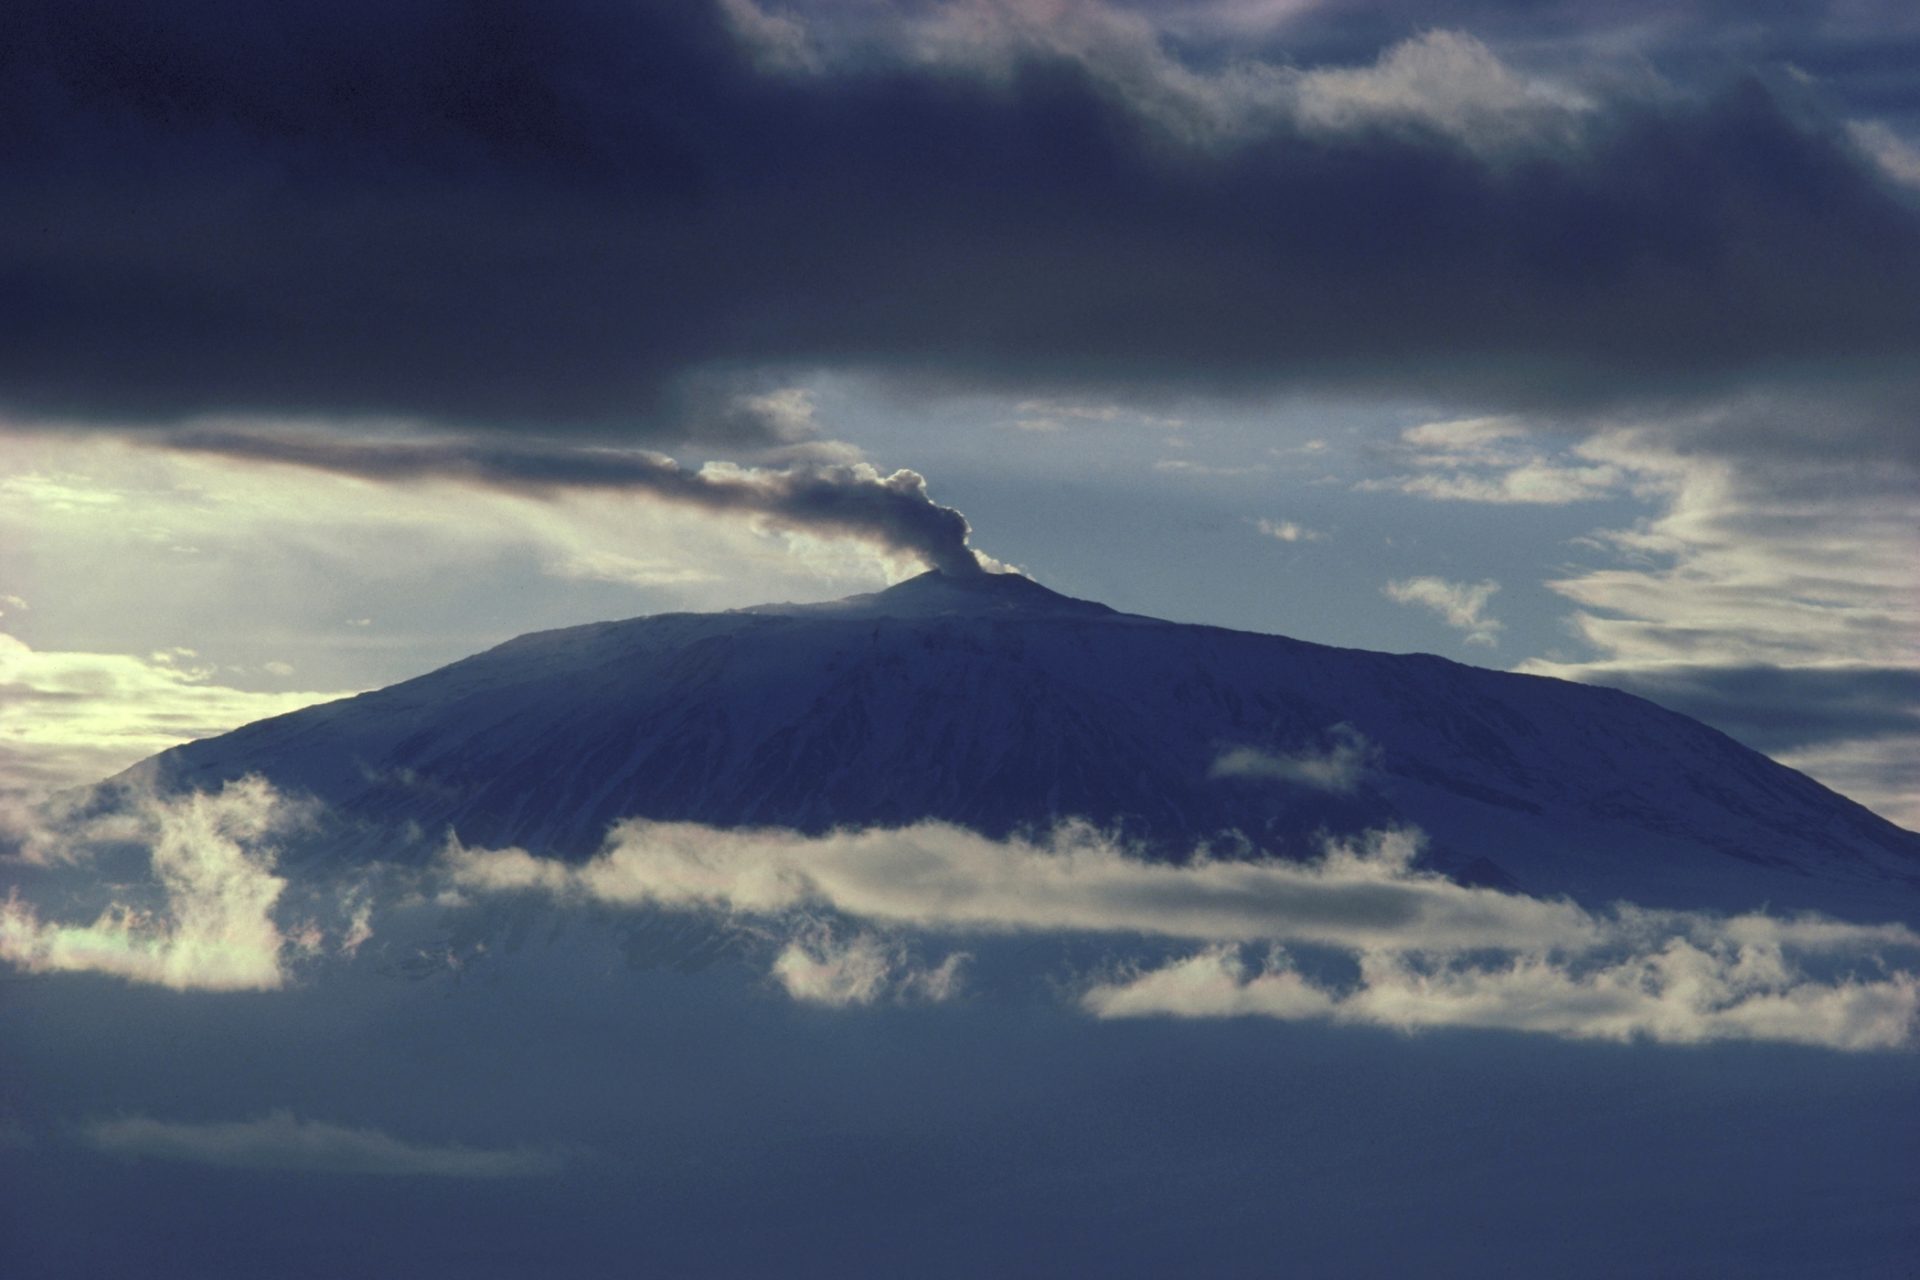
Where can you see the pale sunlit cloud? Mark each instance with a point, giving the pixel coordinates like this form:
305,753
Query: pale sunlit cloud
212,927
129,548
936,876
248,515
69,719
1461,605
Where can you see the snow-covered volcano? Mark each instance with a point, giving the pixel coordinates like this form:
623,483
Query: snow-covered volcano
991,702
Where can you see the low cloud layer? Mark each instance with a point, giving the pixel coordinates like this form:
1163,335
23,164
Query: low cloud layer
282,1142
1428,952
1379,941
212,927
853,500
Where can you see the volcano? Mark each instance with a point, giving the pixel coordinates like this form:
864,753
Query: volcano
991,702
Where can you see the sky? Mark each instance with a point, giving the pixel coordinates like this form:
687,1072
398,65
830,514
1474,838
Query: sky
338,342
342,342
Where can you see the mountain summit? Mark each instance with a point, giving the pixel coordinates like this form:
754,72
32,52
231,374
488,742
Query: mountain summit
935,594
989,701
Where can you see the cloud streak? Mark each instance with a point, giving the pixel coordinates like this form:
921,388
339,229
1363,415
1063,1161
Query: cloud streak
935,876
282,1142
1491,460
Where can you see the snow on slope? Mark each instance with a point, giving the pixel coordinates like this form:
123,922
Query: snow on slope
996,704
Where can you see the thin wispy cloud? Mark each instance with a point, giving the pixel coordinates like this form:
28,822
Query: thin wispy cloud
1339,766
280,1141
1461,605
1444,82
1494,460
1288,531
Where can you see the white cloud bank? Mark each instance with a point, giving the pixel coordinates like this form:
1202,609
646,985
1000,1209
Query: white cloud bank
282,1141
1429,952
214,927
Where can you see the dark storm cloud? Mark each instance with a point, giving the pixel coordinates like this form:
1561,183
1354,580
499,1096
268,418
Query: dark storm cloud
856,501
589,216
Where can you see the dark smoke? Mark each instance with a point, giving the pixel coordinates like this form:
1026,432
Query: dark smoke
853,501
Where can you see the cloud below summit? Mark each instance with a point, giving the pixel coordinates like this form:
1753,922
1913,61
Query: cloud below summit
1429,953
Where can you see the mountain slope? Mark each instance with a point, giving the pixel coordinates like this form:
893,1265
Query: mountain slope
994,703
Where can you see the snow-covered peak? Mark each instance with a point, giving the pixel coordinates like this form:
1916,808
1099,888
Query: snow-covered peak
937,594
991,703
